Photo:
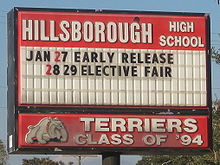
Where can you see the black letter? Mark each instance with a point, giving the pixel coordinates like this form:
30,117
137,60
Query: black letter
46,55
31,56
77,56
168,71
170,58
133,57
147,58
162,58
147,70
38,56
84,69
124,58
134,71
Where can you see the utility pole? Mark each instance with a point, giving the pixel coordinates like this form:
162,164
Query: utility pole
80,158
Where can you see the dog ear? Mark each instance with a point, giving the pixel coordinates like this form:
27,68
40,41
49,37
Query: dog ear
56,119
30,127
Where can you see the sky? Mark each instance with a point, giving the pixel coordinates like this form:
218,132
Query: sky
197,6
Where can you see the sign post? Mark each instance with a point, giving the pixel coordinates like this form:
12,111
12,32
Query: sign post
109,82
110,159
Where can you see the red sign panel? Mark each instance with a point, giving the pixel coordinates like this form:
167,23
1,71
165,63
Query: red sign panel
124,131
111,30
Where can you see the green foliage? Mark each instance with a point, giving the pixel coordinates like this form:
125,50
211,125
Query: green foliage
215,54
176,160
3,154
216,132
41,161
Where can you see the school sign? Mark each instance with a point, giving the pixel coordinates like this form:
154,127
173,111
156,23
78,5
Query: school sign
108,80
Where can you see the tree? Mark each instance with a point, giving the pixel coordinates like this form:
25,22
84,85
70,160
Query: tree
43,161
175,160
215,54
216,131
3,154
40,161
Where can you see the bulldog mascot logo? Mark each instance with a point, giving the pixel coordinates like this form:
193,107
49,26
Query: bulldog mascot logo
48,129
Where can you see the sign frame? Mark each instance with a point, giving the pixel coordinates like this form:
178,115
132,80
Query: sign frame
14,109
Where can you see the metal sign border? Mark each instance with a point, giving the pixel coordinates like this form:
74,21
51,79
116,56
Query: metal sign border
14,109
